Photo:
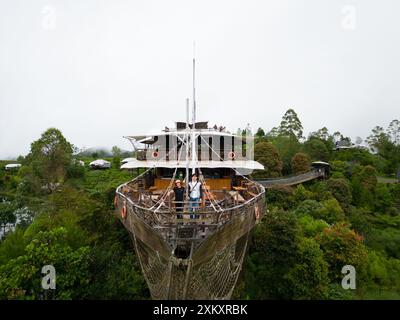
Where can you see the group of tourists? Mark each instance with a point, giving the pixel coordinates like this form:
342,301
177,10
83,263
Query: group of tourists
195,196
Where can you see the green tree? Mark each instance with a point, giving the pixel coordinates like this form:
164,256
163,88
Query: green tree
342,246
274,253
301,193
287,147
268,156
378,140
308,277
316,149
260,133
322,134
308,207
280,197
387,145
342,167
49,157
22,276
291,125
331,211
273,133
12,246
300,163
383,200
364,181
310,226
394,131
341,190
116,151
328,210
116,156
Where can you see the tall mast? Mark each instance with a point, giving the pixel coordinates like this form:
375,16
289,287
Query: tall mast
194,89
194,114
187,147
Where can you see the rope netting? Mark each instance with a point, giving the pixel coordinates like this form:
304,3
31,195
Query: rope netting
214,279
155,269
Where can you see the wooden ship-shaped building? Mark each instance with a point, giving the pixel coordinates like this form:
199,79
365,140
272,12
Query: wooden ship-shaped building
198,251
191,248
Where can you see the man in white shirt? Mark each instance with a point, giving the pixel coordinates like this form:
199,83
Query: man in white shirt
195,194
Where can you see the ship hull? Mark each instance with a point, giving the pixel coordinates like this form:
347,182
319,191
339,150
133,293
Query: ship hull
210,268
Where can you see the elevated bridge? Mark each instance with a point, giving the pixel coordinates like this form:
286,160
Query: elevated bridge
292,180
320,170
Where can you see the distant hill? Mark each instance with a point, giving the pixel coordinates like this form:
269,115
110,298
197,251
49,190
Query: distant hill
101,152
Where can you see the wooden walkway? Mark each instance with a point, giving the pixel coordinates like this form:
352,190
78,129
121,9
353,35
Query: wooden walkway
291,180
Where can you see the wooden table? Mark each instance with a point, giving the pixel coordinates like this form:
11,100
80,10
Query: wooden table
239,188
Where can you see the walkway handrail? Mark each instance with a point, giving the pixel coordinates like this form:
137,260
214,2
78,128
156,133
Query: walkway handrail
288,180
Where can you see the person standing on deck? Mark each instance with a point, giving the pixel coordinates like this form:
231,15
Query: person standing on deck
195,194
179,192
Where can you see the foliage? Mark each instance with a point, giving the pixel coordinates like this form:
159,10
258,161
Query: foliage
21,276
267,155
326,210
297,251
260,133
310,226
308,277
316,149
287,146
301,194
300,163
116,156
364,181
280,196
342,246
274,252
386,144
291,125
341,190
49,157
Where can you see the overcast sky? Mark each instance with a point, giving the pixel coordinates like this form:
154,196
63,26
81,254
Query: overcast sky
99,70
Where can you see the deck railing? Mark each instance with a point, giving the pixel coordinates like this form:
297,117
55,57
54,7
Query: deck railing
164,213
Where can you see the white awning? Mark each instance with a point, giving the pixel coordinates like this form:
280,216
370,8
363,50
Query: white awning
12,166
127,160
100,163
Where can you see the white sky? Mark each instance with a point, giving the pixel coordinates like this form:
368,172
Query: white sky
99,70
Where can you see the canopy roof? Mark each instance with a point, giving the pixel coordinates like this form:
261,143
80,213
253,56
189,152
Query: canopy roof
12,165
100,162
237,164
320,163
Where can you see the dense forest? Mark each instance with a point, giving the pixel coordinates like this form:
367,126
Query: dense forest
55,211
